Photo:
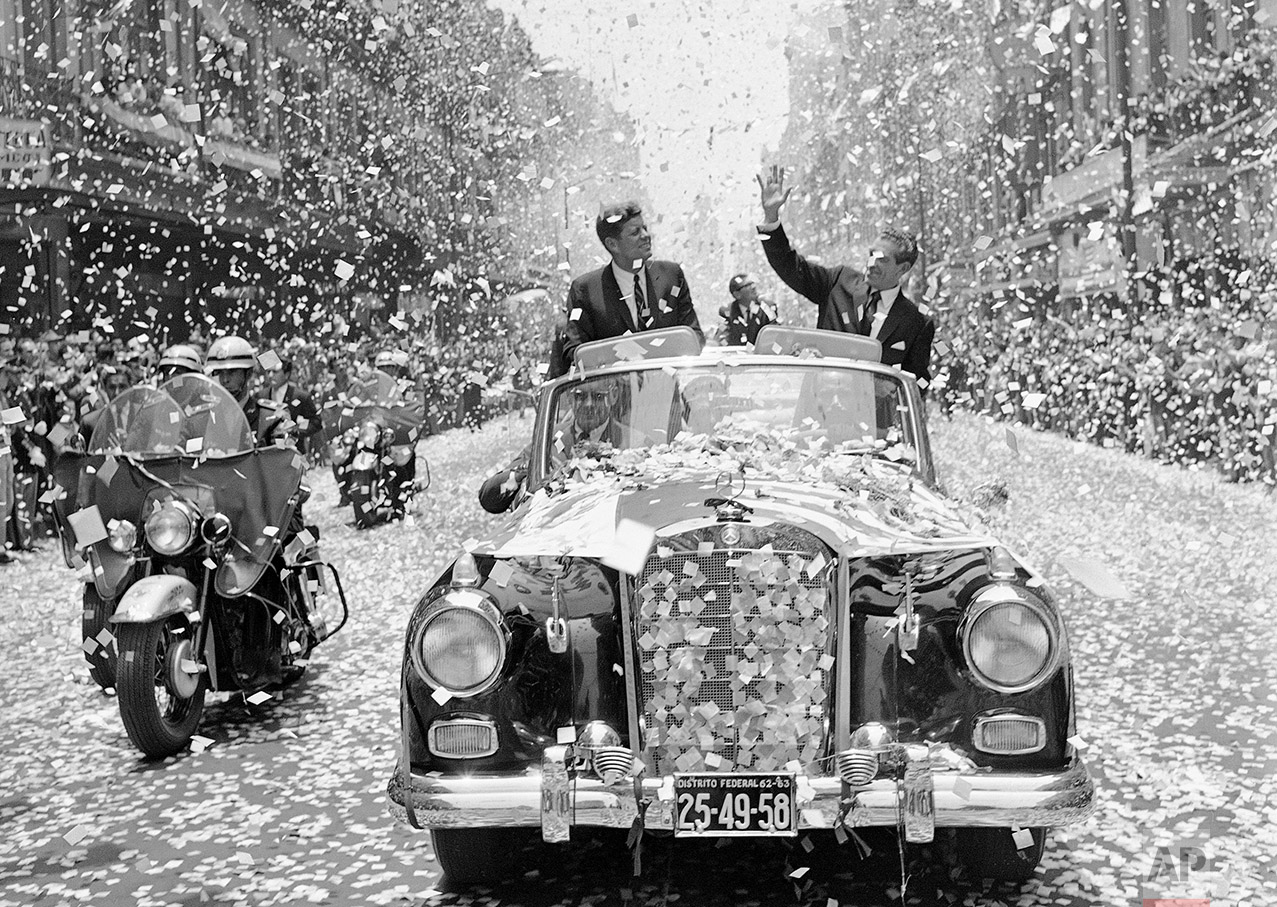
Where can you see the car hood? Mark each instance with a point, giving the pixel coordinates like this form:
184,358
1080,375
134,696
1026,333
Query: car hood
881,510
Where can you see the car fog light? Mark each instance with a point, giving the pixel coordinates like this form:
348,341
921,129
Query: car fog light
122,536
613,763
857,767
872,736
1008,734
462,738
593,737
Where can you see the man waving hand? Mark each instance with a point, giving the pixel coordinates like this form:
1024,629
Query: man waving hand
871,303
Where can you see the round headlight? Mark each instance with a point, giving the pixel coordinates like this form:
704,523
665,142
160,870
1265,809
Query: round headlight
461,644
369,433
121,536
1010,639
171,528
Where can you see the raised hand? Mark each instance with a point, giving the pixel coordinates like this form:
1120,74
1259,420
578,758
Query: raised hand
773,194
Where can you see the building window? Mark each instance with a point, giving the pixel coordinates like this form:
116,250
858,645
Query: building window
228,74
10,36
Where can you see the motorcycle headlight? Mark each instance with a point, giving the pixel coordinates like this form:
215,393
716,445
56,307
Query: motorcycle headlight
170,529
121,536
369,434
1010,638
461,643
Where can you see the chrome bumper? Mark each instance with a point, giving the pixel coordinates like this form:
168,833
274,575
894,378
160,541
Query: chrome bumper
988,799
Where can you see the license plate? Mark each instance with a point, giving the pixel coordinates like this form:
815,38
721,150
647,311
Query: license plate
755,805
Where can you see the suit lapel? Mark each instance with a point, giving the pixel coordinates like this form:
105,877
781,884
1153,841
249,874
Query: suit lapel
614,301
895,320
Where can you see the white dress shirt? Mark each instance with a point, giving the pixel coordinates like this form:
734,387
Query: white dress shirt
885,300
625,280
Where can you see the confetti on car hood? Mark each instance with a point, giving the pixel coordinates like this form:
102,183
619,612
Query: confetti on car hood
860,503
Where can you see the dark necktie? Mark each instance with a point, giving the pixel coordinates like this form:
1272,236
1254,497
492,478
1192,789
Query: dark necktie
867,320
640,303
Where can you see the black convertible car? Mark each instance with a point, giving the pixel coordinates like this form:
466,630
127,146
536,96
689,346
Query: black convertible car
732,600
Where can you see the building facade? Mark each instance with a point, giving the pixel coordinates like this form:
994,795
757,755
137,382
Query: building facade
1044,217
250,163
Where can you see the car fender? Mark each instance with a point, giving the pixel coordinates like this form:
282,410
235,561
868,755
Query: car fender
155,597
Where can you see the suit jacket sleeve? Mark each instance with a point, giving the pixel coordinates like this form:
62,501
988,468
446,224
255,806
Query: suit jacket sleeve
498,491
686,312
918,360
805,278
580,318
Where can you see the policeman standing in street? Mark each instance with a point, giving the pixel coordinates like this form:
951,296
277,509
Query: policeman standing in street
746,314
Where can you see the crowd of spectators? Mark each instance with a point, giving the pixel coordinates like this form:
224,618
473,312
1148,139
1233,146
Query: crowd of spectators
50,383
1190,377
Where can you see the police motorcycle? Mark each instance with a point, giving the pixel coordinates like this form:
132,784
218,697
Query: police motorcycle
178,359
201,578
373,434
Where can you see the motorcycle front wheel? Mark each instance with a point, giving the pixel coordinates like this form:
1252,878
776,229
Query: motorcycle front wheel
92,622
160,703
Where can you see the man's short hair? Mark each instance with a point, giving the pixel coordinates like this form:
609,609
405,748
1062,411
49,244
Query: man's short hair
908,254
611,220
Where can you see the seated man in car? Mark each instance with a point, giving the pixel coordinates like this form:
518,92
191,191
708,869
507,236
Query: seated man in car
591,413
704,398
838,405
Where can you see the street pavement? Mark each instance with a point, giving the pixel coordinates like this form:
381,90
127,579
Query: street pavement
1167,578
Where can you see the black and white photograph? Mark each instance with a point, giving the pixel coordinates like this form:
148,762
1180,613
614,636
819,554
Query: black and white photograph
717,453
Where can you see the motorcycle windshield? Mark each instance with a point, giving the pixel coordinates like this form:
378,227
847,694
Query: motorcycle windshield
377,389
213,423
379,398
141,422
255,490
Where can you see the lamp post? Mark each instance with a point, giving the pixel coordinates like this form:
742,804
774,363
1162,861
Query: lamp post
1126,198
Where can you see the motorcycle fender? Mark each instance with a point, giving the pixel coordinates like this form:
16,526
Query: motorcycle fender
364,460
154,597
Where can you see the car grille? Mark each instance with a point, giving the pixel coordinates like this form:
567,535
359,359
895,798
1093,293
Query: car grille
734,651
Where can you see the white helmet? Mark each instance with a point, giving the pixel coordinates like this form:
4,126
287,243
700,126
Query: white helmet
183,357
392,359
228,353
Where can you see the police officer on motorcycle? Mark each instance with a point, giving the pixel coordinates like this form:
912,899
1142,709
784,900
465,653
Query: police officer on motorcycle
231,362
179,359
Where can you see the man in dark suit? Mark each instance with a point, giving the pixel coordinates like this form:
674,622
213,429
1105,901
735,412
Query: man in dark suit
633,292
870,303
747,314
301,408
595,414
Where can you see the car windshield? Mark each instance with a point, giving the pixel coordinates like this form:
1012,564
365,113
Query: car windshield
840,408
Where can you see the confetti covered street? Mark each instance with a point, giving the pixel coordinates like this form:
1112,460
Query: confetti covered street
1165,577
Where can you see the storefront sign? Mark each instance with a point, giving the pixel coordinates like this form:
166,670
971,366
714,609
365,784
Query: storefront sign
1100,175
26,152
1090,262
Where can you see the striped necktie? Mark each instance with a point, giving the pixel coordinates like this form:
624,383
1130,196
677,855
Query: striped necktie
640,303
867,320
